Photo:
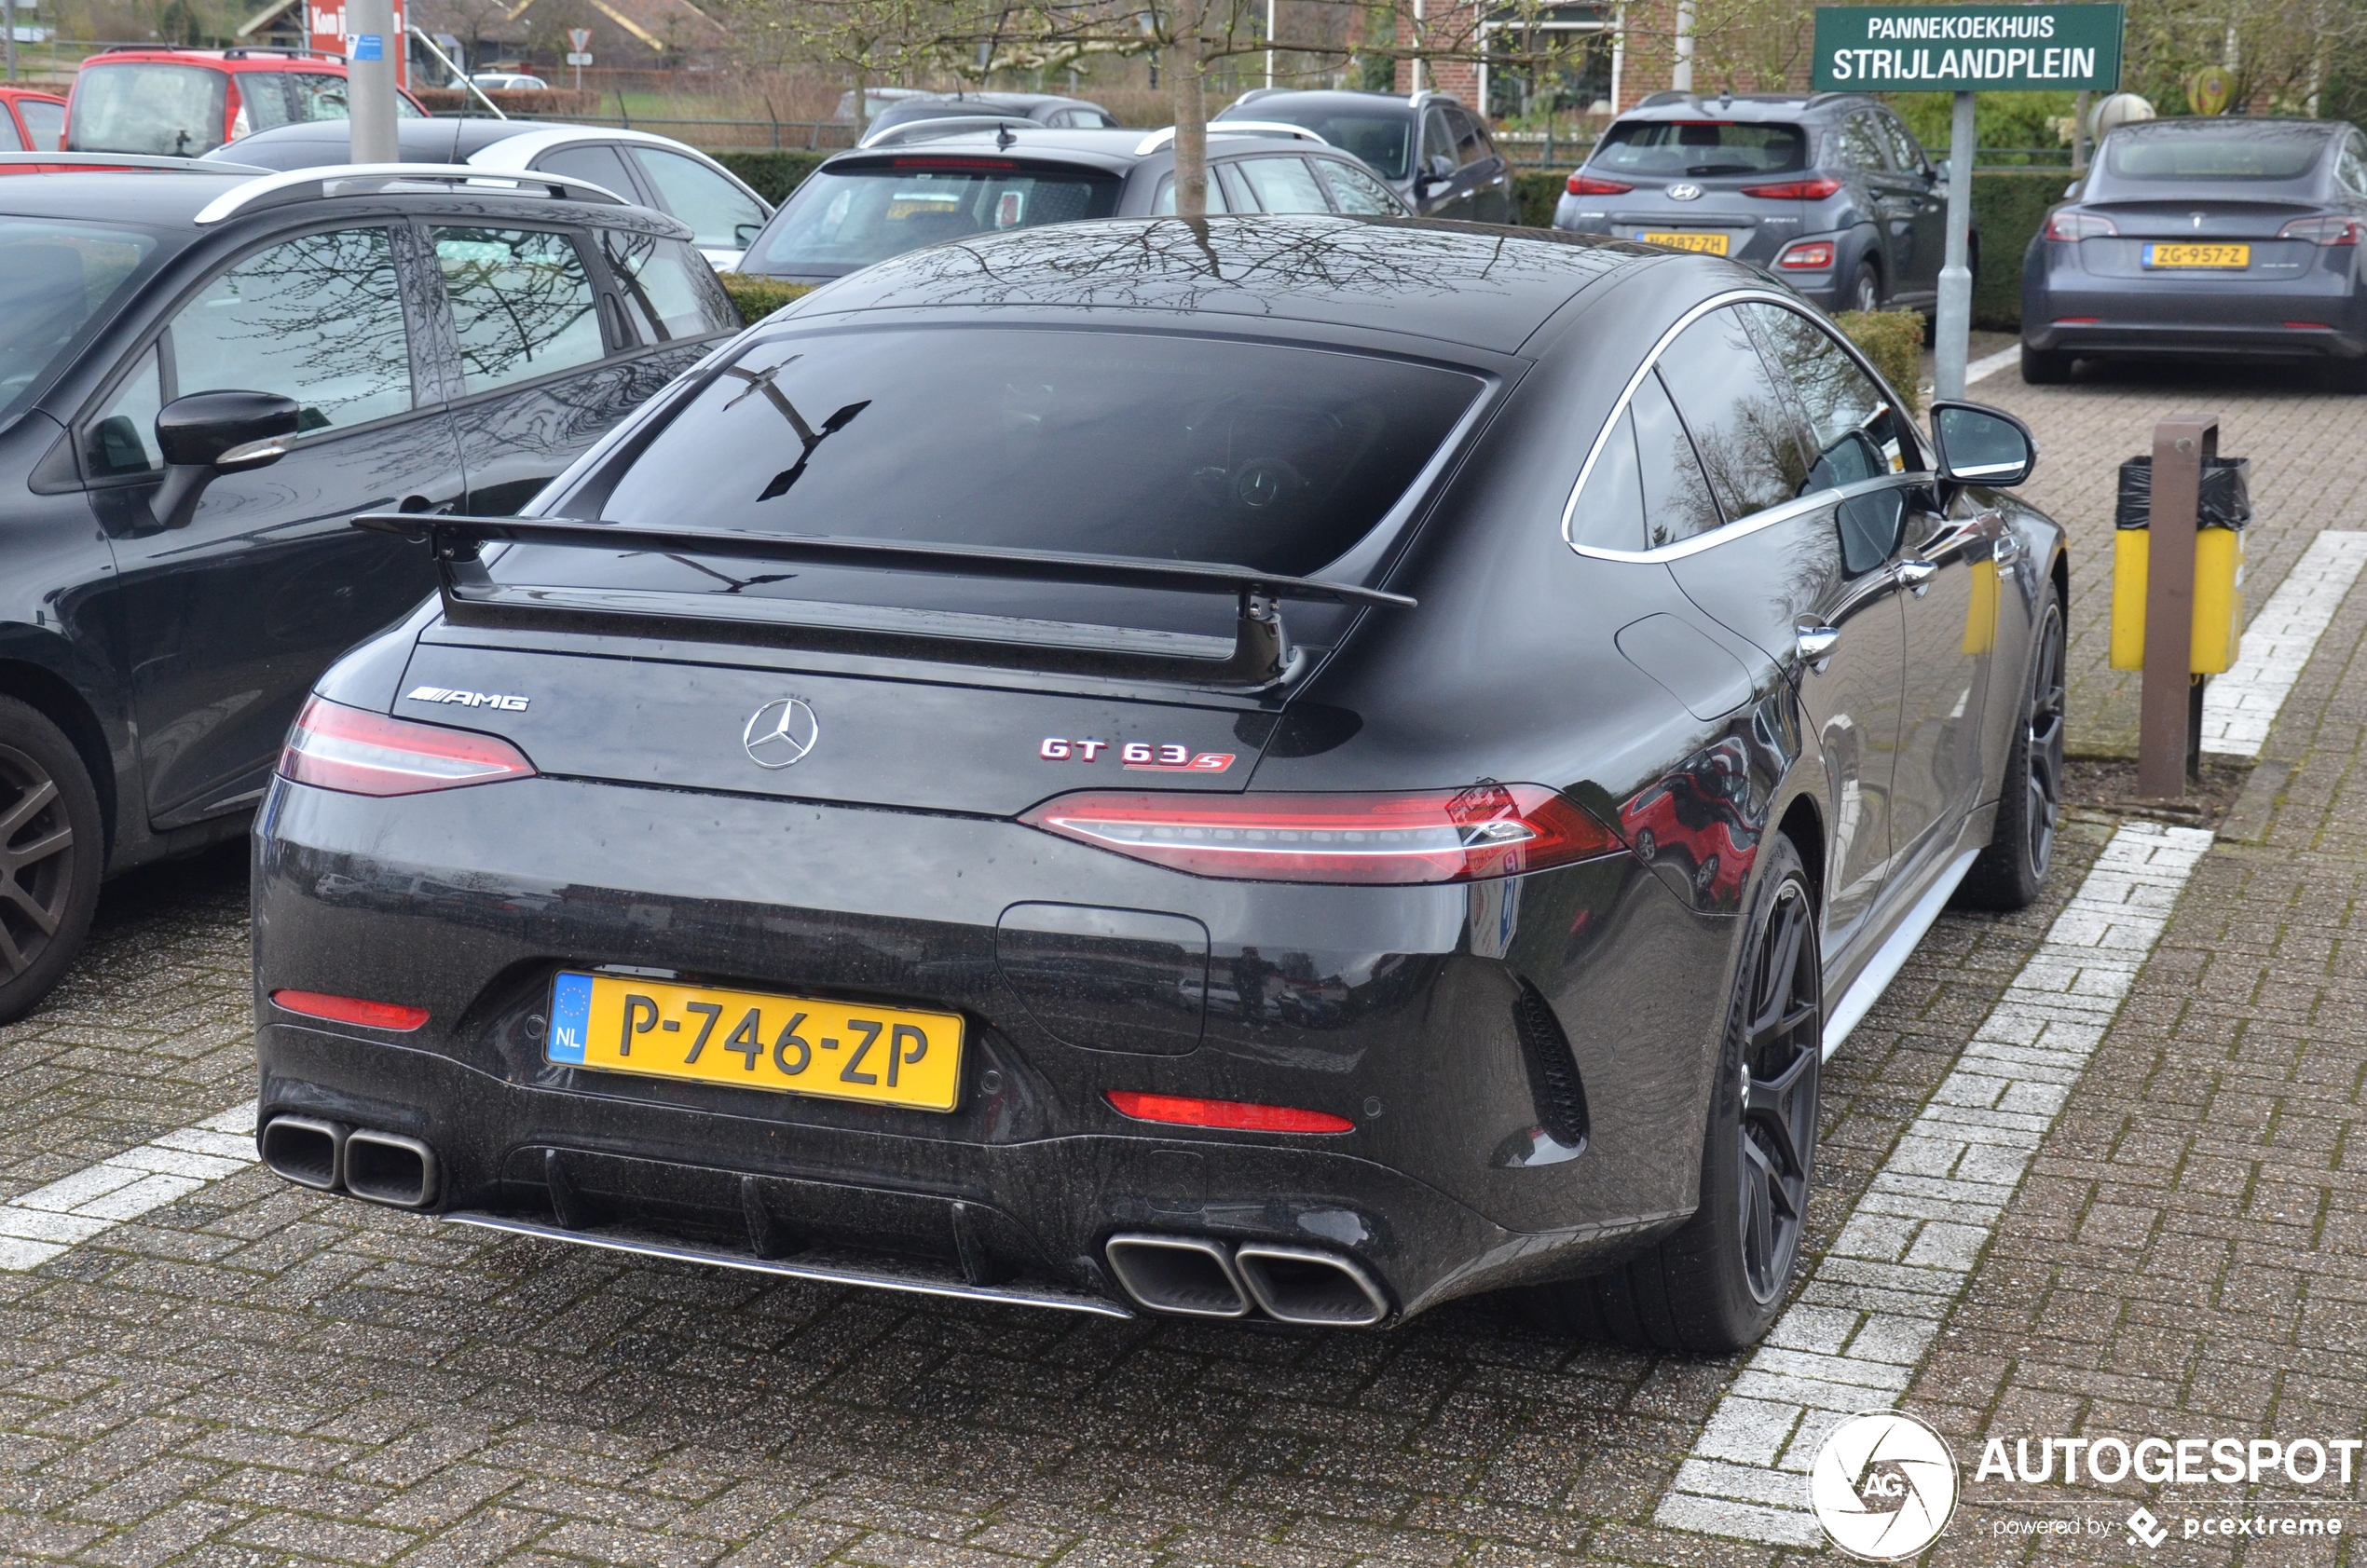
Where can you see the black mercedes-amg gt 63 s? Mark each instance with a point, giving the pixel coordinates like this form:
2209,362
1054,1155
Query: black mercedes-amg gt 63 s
1283,767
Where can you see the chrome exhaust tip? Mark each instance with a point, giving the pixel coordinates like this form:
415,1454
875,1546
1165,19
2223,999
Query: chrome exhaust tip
1303,1284
306,1152
1187,1274
390,1168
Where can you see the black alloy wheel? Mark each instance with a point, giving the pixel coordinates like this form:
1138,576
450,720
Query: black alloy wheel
49,857
1716,1284
1866,293
2010,872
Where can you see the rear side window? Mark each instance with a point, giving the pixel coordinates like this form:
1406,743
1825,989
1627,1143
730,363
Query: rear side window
717,209
2233,152
1857,433
838,221
604,166
1677,503
1163,205
270,98
46,122
1654,149
1170,448
171,110
317,319
522,303
1904,150
1610,514
1742,428
1858,145
669,290
1284,185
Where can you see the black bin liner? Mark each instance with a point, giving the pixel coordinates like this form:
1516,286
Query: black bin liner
2227,499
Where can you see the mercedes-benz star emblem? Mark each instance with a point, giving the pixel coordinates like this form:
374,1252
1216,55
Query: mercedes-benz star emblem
1684,193
781,732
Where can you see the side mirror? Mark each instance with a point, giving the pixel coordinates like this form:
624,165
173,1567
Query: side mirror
746,234
1939,170
208,434
1982,446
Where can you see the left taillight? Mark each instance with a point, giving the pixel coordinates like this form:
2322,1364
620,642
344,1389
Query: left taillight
1432,836
336,747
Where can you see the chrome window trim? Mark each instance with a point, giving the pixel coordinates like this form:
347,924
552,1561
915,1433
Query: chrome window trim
1753,522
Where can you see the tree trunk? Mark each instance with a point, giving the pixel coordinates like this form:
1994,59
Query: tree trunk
1191,113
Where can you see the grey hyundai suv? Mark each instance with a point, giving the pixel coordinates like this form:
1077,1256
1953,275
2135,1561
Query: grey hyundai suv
1829,192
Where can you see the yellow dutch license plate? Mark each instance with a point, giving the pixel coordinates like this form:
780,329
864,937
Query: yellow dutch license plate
2198,255
1708,244
888,1055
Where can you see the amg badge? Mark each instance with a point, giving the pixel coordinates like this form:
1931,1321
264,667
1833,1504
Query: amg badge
467,698
1140,756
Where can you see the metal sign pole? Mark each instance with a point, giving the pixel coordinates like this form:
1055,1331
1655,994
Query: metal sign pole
2166,733
1950,332
371,45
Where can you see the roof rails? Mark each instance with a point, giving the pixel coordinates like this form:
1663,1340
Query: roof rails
1158,139
944,124
67,162
356,179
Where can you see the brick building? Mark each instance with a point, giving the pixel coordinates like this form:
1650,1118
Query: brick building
1615,55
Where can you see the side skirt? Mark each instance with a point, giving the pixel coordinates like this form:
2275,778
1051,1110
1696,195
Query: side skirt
1892,956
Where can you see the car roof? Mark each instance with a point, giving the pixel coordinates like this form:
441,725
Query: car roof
1250,106
1746,106
231,59
2223,123
134,196
1465,286
7,91
1114,151
435,141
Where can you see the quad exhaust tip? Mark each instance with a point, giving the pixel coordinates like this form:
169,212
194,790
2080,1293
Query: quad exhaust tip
1198,1276
308,1152
390,1168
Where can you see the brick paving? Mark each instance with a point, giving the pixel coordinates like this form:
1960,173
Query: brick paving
253,1375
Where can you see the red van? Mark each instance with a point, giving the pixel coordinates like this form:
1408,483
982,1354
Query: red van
181,103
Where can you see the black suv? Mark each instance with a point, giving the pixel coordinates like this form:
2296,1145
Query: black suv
1829,192
1432,151
203,374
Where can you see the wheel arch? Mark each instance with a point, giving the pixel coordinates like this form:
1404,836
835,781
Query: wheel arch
56,699
1804,824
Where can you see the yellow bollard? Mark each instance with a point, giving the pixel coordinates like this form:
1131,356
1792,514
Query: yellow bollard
2218,633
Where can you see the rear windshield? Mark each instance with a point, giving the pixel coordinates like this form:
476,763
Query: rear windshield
841,220
54,278
1107,443
171,110
2236,151
1699,148
1383,141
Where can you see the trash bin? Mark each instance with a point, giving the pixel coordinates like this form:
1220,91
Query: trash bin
2227,508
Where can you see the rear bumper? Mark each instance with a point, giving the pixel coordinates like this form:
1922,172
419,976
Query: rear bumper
1395,1008
2068,309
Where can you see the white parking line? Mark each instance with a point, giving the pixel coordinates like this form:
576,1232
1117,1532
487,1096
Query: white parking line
2239,706
1989,364
1852,1340
44,1222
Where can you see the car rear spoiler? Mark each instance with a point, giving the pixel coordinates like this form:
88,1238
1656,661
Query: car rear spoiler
1261,654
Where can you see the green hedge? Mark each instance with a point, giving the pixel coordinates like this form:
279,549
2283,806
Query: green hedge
1894,340
772,175
758,298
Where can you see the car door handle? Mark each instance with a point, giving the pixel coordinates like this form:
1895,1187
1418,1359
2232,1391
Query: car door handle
1815,643
2007,547
1916,577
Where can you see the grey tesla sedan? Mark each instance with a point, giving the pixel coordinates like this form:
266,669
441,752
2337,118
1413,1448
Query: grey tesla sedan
2229,237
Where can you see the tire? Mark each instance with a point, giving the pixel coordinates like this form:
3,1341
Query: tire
51,856
1866,293
1717,1284
2009,873
2044,367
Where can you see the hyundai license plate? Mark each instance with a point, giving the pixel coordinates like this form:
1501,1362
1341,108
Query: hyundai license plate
1686,239
889,1056
2198,255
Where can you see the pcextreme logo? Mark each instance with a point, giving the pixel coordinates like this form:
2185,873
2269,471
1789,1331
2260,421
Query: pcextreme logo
1884,1486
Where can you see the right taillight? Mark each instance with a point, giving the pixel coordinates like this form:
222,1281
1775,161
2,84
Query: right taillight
336,747
2068,225
1590,185
1432,836
2327,230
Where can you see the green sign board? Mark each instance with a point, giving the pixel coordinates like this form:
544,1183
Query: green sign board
1967,48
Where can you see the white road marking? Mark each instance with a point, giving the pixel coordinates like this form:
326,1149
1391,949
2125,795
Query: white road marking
2239,706
1989,364
44,1222
1852,1340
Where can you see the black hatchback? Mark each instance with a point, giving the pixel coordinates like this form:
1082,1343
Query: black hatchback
1283,765
203,374
1433,152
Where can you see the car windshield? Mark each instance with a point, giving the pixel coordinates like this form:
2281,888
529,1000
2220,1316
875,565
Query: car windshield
841,220
54,278
1699,148
1108,443
1383,141
2236,151
148,107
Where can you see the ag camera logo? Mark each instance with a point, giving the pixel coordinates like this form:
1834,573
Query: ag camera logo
1884,1486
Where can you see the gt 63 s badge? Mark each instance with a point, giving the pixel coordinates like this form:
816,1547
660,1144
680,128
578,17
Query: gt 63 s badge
1141,756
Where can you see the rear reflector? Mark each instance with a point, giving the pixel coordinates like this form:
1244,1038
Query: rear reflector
1813,253
1587,185
336,747
2306,326
350,1010
1437,835
2078,320
1237,1115
1816,189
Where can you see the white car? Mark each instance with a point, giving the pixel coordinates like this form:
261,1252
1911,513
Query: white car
509,81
